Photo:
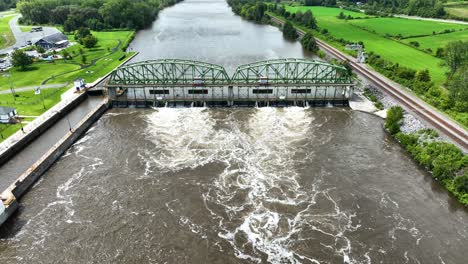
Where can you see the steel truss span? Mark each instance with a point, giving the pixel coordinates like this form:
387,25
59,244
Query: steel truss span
186,72
291,71
168,72
274,82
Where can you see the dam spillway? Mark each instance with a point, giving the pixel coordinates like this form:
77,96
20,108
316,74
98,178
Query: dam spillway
279,82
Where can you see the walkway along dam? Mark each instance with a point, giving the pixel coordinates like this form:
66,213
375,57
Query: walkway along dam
280,82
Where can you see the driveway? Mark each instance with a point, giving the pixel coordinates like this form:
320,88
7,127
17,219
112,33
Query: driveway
23,37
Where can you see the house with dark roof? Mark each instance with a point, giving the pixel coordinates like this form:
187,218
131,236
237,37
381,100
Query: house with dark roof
57,40
7,115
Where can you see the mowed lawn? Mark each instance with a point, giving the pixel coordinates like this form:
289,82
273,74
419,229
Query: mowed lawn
34,75
388,49
28,104
65,71
395,26
106,59
6,36
438,41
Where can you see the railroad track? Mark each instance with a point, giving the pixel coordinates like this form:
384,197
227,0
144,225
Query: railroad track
431,116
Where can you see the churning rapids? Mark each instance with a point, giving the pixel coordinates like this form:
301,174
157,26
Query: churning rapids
245,185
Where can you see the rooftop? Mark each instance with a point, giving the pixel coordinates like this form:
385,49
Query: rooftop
6,110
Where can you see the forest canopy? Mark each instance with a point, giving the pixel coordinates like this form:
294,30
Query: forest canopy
94,14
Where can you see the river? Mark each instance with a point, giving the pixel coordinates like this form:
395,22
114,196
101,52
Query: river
233,185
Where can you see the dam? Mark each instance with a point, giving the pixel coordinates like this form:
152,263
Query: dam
234,185
279,82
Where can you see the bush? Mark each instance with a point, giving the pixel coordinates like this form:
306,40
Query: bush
394,117
461,183
90,41
407,140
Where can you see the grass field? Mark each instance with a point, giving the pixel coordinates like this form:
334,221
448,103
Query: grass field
457,8
394,26
438,41
37,73
26,28
389,49
6,36
104,62
28,104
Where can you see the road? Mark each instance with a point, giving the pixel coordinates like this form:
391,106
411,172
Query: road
450,21
411,103
23,37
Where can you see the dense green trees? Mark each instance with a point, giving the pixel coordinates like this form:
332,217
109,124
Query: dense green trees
320,2
424,8
5,4
308,43
289,31
456,57
306,19
20,59
84,37
249,9
94,14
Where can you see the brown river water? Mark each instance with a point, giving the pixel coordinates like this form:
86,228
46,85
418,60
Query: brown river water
233,185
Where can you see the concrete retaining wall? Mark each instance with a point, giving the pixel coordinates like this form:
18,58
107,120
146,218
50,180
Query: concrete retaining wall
12,150
26,180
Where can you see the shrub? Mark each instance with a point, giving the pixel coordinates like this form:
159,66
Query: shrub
407,140
461,183
394,117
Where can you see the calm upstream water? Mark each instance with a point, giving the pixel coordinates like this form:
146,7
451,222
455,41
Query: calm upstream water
245,185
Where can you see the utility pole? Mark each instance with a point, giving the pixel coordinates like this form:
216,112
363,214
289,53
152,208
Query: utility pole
11,85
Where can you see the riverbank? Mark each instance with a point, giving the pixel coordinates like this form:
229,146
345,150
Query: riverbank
408,47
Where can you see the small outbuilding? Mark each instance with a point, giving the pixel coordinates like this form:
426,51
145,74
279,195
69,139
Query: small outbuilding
79,84
7,115
54,41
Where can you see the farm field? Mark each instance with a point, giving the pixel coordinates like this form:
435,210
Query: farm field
388,49
6,36
438,41
394,26
457,8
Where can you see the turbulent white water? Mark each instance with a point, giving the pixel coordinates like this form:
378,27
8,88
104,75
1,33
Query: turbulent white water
265,185
265,209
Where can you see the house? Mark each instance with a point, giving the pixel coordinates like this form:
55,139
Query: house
7,115
57,40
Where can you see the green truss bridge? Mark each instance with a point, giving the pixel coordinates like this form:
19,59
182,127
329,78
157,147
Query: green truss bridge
272,82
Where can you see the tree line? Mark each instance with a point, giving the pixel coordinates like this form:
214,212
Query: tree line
424,8
93,14
7,4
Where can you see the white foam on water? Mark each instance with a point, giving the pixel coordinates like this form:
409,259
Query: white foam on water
261,158
182,137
